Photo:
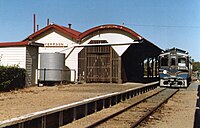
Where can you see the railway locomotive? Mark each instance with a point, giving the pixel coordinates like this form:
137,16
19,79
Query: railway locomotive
175,68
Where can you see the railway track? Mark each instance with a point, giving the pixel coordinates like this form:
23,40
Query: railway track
133,114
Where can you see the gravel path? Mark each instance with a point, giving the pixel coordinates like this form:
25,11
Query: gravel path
33,99
178,112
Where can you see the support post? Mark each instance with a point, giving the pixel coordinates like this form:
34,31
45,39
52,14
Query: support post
85,64
148,68
45,74
119,70
61,118
152,66
156,67
111,64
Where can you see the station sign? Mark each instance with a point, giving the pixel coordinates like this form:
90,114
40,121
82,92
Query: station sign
54,45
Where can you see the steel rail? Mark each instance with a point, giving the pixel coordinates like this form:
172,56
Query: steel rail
152,110
123,110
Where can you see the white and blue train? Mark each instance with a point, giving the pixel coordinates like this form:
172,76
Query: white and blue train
175,68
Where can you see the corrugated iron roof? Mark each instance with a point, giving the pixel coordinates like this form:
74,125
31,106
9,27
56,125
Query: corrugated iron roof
78,35
110,26
20,43
71,32
65,30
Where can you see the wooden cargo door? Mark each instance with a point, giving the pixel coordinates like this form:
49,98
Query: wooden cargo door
98,64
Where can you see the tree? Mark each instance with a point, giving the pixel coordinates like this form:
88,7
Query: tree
196,66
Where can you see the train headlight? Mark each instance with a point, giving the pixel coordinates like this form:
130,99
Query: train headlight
164,71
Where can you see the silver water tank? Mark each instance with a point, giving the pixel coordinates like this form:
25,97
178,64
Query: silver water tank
52,67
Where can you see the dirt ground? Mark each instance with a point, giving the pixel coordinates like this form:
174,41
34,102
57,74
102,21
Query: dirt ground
32,99
178,112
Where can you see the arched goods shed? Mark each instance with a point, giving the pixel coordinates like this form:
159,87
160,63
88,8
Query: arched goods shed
101,63
108,59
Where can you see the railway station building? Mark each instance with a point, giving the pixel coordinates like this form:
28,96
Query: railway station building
106,53
23,54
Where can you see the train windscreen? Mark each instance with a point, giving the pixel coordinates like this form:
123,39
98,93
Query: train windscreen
164,61
181,61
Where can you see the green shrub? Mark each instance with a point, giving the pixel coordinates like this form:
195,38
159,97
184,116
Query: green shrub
11,77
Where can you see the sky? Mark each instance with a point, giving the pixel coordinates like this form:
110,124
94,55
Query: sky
166,23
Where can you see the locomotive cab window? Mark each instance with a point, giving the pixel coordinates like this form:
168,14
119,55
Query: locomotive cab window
164,61
181,61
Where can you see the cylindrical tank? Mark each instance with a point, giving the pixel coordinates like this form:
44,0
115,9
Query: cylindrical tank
52,67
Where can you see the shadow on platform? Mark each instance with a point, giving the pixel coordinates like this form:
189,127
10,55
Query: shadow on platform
197,112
